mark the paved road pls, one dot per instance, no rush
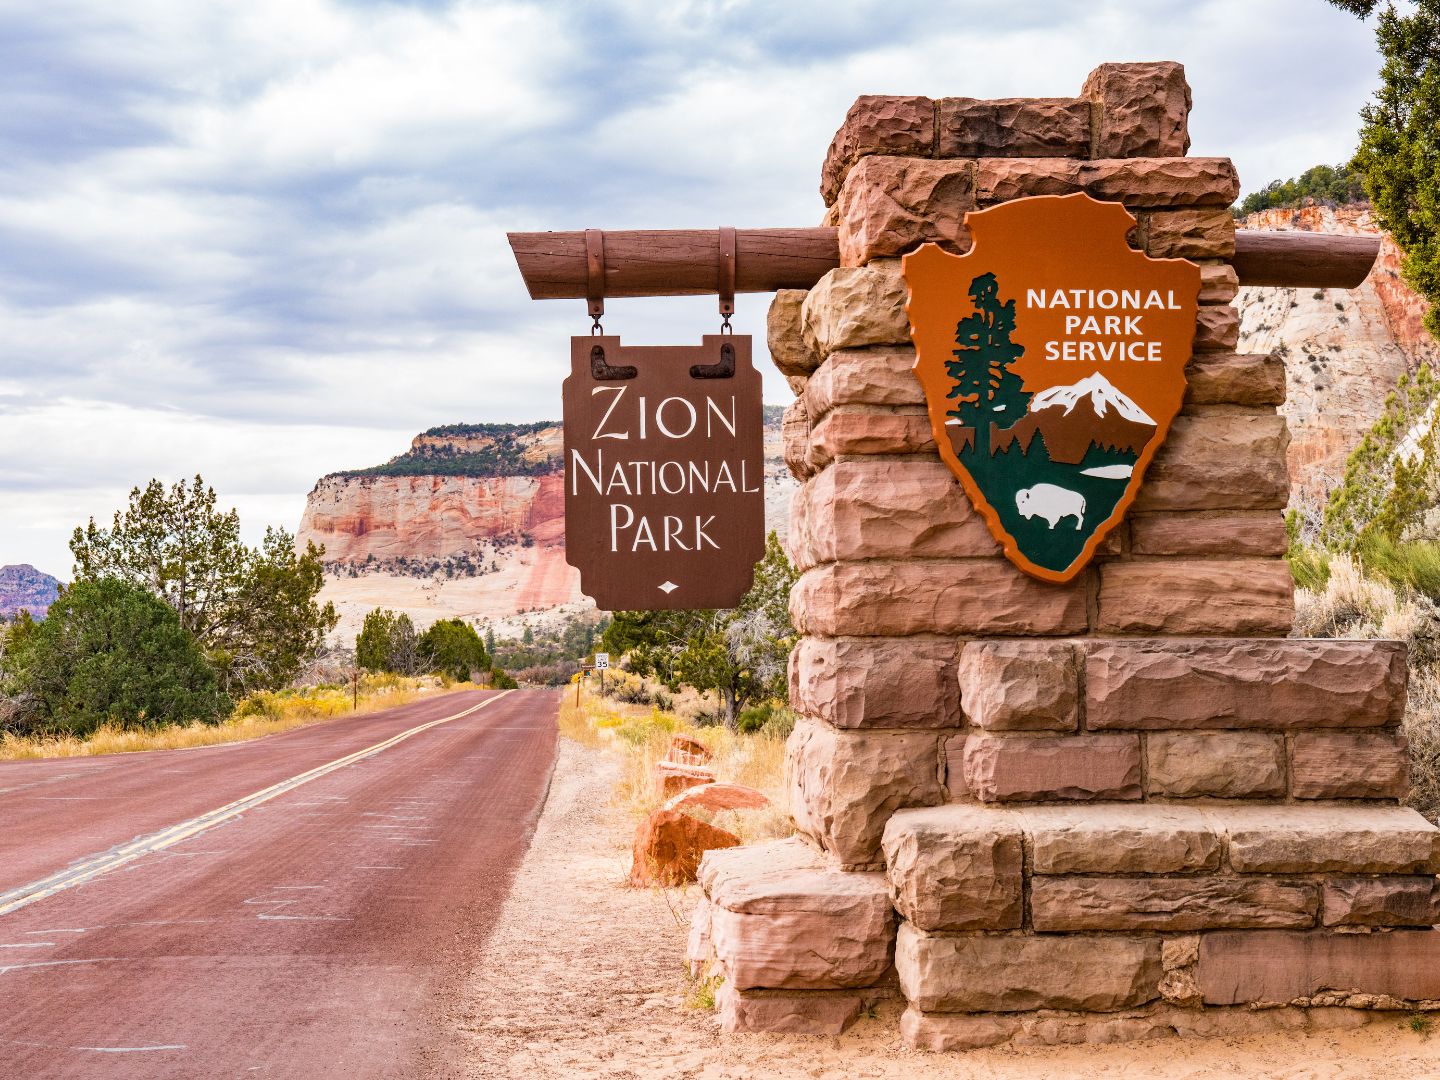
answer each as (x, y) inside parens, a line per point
(258, 909)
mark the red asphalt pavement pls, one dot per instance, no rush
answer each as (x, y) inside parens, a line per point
(317, 934)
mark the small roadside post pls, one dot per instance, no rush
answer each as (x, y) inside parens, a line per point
(583, 675)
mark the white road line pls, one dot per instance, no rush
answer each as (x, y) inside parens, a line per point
(130, 1049)
(54, 963)
(103, 863)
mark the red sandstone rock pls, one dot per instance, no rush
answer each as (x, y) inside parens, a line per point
(1218, 283)
(1219, 461)
(1184, 903)
(1143, 109)
(1013, 127)
(891, 205)
(1207, 233)
(1235, 379)
(1240, 597)
(1000, 180)
(1118, 839)
(1353, 839)
(1217, 328)
(718, 797)
(1238, 967)
(955, 868)
(877, 124)
(1018, 972)
(785, 334)
(845, 785)
(1011, 769)
(869, 430)
(895, 598)
(688, 751)
(1294, 684)
(880, 375)
(1258, 533)
(668, 846)
(795, 432)
(672, 777)
(885, 509)
(1332, 765)
(1139, 183)
(854, 306)
(1020, 685)
(876, 682)
(1382, 901)
(787, 1012)
(1221, 764)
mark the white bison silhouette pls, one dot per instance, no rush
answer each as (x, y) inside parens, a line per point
(1051, 502)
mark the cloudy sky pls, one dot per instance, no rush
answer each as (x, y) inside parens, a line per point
(264, 240)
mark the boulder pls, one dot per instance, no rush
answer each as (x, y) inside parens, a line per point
(668, 847)
(672, 777)
(718, 797)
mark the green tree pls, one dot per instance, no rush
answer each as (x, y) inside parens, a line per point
(1325, 183)
(109, 651)
(1399, 154)
(452, 647)
(741, 653)
(984, 384)
(388, 642)
(252, 609)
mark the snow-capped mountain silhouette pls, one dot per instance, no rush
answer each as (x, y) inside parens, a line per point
(1072, 419)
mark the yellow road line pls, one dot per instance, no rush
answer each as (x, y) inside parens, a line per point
(103, 863)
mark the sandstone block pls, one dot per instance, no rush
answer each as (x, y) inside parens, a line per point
(891, 205)
(1226, 461)
(787, 1012)
(1237, 533)
(1001, 769)
(854, 306)
(897, 598)
(795, 438)
(877, 124)
(1018, 972)
(672, 777)
(1295, 683)
(1238, 967)
(881, 375)
(946, 1032)
(785, 334)
(720, 796)
(886, 509)
(845, 785)
(781, 918)
(1143, 110)
(668, 846)
(1354, 839)
(1332, 765)
(1218, 283)
(1020, 685)
(1103, 839)
(876, 682)
(1382, 901)
(1235, 379)
(1013, 127)
(1217, 328)
(797, 384)
(955, 868)
(1202, 233)
(1173, 596)
(863, 429)
(1139, 183)
(1225, 765)
(1184, 903)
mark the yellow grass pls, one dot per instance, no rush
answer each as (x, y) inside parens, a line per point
(258, 715)
(641, 735)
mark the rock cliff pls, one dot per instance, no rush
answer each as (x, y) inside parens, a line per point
(1344, 351)
(23, 588)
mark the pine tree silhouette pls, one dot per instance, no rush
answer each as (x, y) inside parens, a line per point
(987, 392)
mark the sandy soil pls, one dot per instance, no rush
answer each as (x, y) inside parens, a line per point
(582, 978)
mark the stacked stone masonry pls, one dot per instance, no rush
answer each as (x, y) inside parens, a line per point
(1119, 808)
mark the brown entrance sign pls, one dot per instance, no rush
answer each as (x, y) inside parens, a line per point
(1053, 360)
(664, 472)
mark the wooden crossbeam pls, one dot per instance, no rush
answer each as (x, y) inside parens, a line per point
(686, 262)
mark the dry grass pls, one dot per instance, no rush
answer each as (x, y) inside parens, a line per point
(641, 735)
(259, 715)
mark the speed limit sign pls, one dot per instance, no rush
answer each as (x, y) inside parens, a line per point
(602, 661)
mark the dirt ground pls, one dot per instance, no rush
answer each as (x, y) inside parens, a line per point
(583, 979)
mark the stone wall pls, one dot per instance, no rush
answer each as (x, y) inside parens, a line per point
(1091, 803)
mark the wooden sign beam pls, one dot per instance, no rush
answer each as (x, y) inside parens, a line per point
(686, 262)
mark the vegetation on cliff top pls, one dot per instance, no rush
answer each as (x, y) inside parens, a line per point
(511, 453)
(1332, 184)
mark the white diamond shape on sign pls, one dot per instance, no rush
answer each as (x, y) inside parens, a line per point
(669, 587)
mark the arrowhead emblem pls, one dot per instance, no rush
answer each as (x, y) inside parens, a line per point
(1053, 360)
